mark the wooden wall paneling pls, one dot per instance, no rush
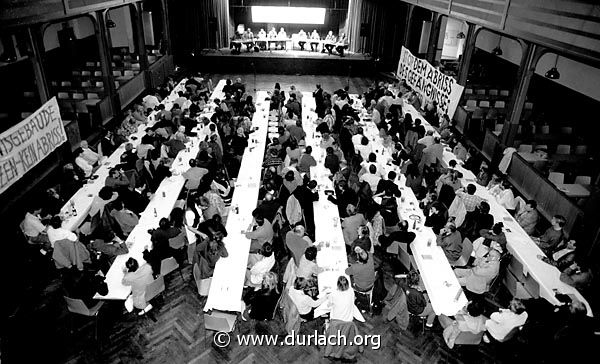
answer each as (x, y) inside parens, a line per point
(486, 12)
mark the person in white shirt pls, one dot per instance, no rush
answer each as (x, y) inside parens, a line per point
(364, 148)
(308, 263)
(256, 273)
(56, 232)
(304, 303)
(298, 94)
(32, 226)
(342, 301)
(372, 161)
(371, 178)
(506, 197)
(501, 323)
(150, 102)
(357, 138)
(428, 139)
(89, 155)
(83, 163)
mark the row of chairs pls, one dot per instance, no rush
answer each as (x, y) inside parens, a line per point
(78, 95)
(490, 92)
(559, 178)
(486, 104)
(85, 73)
(560, 149)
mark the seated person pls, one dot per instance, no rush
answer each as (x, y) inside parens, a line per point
(351, 224)
(262, 232)
(308, 264)
(208, 252)
(314, 40)
(342, 44)
(260, 304)
(302, 39)
(305, 303)
(528, 217)
(417, 301)
(330, 41)
(82, 163)
(478, 220)
(495, 237)
(56, 232)
(32, 226)
(470, 319)
(281, 35)
(297, 242)
(402, 235)
(257, 270)
(248, 38)
(363, 240)
(138, 277)
(553, 236)
(126, 219)
(88, 154)
(501, 323)
(506, 197)
(450, 241)
(363, 271)
(578, 275)
(478, 278)
(562, 258)
(436, 217)
(84, 286)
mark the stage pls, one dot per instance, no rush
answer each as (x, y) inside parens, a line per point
(292, 61)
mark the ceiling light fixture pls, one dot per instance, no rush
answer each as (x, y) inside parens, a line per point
(461, 35)
(109, 22)
(498, 51)
(553, 73)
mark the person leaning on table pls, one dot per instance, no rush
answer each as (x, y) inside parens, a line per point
(305, 304)
(478, 278)
(501, 323)
(138, 277)
(553, 236)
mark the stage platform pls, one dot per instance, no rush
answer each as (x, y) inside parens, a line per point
(289, 62)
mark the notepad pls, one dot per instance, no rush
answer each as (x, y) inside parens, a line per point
(426, 256)
(507, 218)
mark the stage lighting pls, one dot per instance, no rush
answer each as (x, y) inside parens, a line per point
(461, 35)
(287, 15)
(553, 73)
(498, 51)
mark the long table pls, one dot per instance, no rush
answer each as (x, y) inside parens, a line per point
(332, 256)
(84, 197)
(519, 243)
(160, 206)
(228, 278)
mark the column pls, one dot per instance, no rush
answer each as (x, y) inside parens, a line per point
(105, 60)
(531, 55)
(139, 38)
(465, 62)
(407, 24)
(434, 36)
(37, 47)
(166, 39)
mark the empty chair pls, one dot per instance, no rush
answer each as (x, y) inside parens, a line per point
(86, 73)
(493, 92)
(128, 73)
(500, 104)
(78, 96)
(97, 73)
(563, 149)
(127, 57)
(525, 148)
(28, 94)
(504, 93)
(92, 96)
(566, 130)
(65, 83)
(97, 64)
(545, 129)
(556, 178)
(471, 104)
(168, 265)
(583, 180)
(77, 306)
(484, 103)
(151, 59)
(86, 84)
(528, 106)
(480, 91)
(99, 84)
(580, 149)
(468, 91)
(76, 73)
(155, 288)
(89, 64)
(113, 64)
(219, 321)
(117, 73)
(63, 95)
(116, 57)
(25, 114)
(135, 66)
(477, 113)
(541, 147)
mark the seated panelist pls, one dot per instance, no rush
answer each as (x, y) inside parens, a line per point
(315, 39)
(330, 41)
(342, 44)
(281, 35)
(302, 39)
(248, 39)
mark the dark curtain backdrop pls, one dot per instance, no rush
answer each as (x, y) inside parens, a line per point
(190, 25)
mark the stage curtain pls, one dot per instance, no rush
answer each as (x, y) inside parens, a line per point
(353, 22)
(221, 12)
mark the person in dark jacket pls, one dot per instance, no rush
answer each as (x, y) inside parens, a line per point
(84, 286)
(437, 217)
(261, 304)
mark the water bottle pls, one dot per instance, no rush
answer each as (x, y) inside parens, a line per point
(155, 214)
(73, 209)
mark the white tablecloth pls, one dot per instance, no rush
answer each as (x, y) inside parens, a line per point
(228, 279)
(84, 197)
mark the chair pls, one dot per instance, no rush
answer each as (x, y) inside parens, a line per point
(29, 94)
(545, 129)
(468, 338)
(468, 91)
(25, 114)
(580, 149)
(117, 73)
(86, 73)
(500, 104)
(471, 104)
(77, 96)
(219, 322)
(90, 64)
(168, 265)
(76, 73)
(467, 249)
(151, 59)
(128, 73)
(567, 130)
(423, 320)
(116, 57)
(65, 83)
(86, 84)
(99, 84)
(92, 96)
(477, 114)
(77, 306)
(498, 128)
(63, 95)
(493, 92)
(203, 285)
(583, 180)
(504, 93)
(135, 66)
(563, 149)
(541, 147)
(525, 148)
(480, 92)
(155, 288)
(484, 103)
(528, 106)
(97, 73)
(556, 177)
